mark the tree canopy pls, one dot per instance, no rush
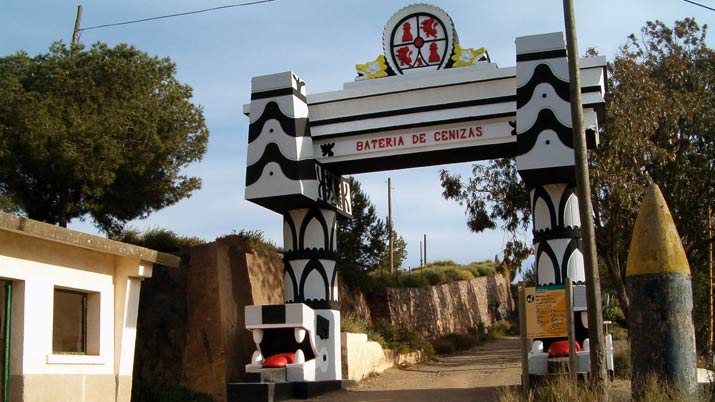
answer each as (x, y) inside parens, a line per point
(494, 196)
(660, 128)
(103, 131)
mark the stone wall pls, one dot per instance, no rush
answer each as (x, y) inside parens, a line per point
(353, 301)
(456, 307)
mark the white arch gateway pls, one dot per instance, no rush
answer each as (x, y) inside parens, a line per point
(426, 101)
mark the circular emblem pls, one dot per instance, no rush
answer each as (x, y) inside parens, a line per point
(419, 37)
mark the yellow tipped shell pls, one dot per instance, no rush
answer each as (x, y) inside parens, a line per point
(655, 246)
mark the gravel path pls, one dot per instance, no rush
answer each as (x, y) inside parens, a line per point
(473, 375)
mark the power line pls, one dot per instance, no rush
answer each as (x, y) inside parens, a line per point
(698, 4)
(176, 15)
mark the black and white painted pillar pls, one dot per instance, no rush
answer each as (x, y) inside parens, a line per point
(283, 176)
(311, 278)
(546, 162)
(310, 254)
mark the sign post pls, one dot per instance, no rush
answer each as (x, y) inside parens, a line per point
(572, 335)
(524, 341)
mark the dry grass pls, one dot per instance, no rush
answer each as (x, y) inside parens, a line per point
(559, 389)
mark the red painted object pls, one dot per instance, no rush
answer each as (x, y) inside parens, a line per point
(279, 360)
(561, 348)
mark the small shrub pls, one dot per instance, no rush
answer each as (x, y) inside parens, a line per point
(163, 240)
(472, 268)
(463, 342)
(618, 332)
(512, 394)
(443, 346)
(350, 322)
(622, 360)
(658, 390)
(255, 239)
(451, 343)
(435, 277)
(414, 281)
(486, 271)
(457, 274)
(504, 328)
(402, 340)
(442, 263)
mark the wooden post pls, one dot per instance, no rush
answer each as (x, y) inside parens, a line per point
(711, 321)
(420, 253)
(599, 376)
(524, 341)
(77, 21)
(572, 336)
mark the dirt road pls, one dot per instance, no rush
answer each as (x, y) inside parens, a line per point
(474, 375)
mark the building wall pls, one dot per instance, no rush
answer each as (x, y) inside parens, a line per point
(36, 267)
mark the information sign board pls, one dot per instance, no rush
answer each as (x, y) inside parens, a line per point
(546, 312)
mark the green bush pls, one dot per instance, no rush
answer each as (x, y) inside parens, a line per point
(451, 343)
(167, 393)
(163, 240)
(486, 271)
(433, 274)
(255, 239)
(503, 328)
(352, 323)
(461, 275)
(414, 281)
(435, 277)
(472, 268)
(444, 346)
(463, 342)
(442, 263)
(402, 340)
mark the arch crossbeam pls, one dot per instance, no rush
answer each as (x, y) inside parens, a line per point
(433, 118)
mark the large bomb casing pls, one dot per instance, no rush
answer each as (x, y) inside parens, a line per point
(661, 324)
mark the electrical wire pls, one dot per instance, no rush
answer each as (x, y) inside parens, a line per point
(698, 4)
(176, 15)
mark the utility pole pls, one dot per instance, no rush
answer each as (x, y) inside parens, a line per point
(77, 21)
(599, 378)
(389, 224)
(711, 321)
(425, 253)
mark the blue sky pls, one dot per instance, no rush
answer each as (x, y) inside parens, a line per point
(218, 52)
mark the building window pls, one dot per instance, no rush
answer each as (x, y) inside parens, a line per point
(75, 322)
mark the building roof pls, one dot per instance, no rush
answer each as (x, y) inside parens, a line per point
(45, 231)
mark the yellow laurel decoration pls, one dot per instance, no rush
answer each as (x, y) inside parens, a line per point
(467, 56)
(372, 69)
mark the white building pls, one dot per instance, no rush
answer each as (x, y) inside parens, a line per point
(68, 303)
